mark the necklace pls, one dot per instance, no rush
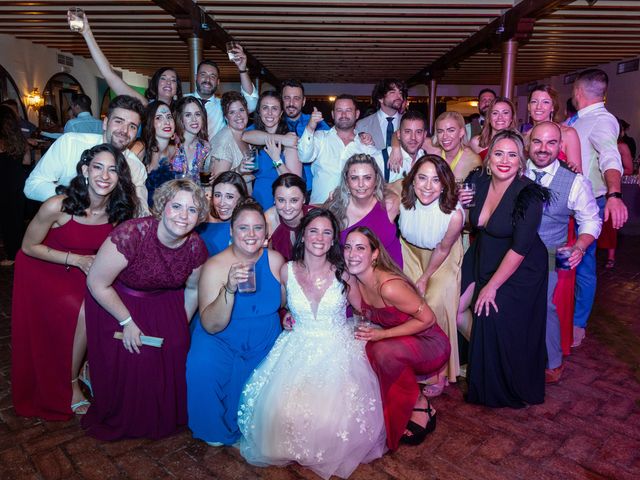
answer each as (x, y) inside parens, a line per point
(320, 282)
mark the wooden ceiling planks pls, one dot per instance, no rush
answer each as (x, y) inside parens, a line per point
(341, 40)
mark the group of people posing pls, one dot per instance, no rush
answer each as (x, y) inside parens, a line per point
(304, 304)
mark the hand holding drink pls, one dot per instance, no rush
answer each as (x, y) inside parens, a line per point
(75, 17)
(467, 194)
(248, 164)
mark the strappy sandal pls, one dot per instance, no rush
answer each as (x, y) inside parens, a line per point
(75, 407)
(84, 377)
(418, 432)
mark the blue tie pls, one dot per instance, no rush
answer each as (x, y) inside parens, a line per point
(389, 130)
(572, 120)
(539, 174)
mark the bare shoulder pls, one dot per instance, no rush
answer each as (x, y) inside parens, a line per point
(276, 262)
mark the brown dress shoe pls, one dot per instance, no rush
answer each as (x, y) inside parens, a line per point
(552, 375)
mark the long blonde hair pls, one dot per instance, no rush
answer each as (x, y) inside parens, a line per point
(341, 197)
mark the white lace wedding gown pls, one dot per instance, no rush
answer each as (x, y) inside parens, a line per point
(314, 399)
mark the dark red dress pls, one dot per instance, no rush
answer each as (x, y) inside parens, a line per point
(398, 360)
(44, 315)
(281, 237)
(142, 395)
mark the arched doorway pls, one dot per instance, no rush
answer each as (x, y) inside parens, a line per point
(58, 91)
(9, 91)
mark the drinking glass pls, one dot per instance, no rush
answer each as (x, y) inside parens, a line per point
(76, 19)
(563, 252)
(249, 286)
(230, 47)
(249, 160)
(469, 187)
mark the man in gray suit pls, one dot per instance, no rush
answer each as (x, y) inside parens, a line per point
(388, 97)
(485, 97)
(571, 195)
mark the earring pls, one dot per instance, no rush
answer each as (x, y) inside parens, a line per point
(175, 97)
(488, 170)
(374, 263)
(86, 180)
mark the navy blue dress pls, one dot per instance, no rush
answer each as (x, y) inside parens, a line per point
(218, 365)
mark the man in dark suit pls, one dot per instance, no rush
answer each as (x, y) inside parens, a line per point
(388, 96)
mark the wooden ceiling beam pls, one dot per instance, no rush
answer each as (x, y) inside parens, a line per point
(191, 20)
(503, 28)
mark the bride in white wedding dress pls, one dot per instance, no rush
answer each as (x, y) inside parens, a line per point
(314, 399)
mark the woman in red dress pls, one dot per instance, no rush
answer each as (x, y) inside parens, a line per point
(409, 343)
(49, 284)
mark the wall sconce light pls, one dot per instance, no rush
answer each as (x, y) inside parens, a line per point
(332, 98)
(473, 103)
(34, 99)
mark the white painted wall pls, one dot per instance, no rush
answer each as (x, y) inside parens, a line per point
(623, 98)
(32, 65)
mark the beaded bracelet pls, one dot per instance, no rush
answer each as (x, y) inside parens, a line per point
(67, 267)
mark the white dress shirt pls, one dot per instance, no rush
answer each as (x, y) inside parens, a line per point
(213, 107)
(58, 167)
(407, 163)
(581, 199)
(328, 155)
(598, 131)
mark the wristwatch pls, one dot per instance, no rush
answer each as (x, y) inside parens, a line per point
(613, 195)
(277, 164)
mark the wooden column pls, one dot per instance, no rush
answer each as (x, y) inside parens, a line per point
(509, 54)
(433, 85)
(195, 57)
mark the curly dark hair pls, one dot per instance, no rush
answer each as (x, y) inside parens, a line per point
(152, 90)
(282, 128)
(384, 86)
(123, 202)
(11, 139)
(334, 255)
(149, 130)
(228, 98)
(448, 198)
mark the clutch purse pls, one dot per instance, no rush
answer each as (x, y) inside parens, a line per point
(149, 341)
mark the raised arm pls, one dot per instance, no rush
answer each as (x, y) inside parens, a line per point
(114, 81)
(248, 91)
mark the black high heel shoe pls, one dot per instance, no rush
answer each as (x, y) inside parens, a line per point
(418, 432)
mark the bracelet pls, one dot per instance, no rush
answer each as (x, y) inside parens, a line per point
(277, 164)
(243, 71)
(613, 195)
(67, 267)
(125, 321)
(582, 250)
(230, 292)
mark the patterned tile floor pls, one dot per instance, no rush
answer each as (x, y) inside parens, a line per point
(588, 427)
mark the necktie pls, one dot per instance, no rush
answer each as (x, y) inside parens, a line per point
(389, 130)
(204, 101)
(539, 174)
(572, 120)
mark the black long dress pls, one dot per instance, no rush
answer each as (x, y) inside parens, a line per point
(507, 348)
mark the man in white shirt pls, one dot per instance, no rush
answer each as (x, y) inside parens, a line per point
(329, 150)
(207, 80)
(411, 135)
(571, 195)
(389, 96)
(58, 165)
(601, 164)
